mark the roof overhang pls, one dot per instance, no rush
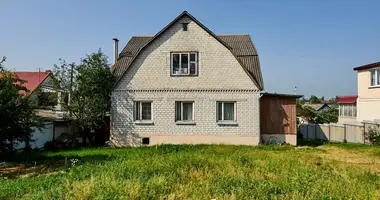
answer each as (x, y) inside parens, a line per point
(296, 96)
(347, 99)
(368, 66)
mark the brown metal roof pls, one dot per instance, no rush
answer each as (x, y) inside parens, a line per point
(368, 66)
(282, 95)
(241, 47)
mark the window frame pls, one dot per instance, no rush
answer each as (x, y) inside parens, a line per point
(181, 112)
(139, 119)
(376, 80)
(217, 111)
(180, 63)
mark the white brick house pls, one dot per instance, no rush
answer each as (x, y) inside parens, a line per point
(186, 85)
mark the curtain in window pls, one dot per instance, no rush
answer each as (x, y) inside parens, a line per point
(228, 111)
(373, 77)
(184, 63)
(175, 63)
(187, 111)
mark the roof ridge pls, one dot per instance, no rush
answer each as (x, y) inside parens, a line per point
(143, 36)
(238, 34)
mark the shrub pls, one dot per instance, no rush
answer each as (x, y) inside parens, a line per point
(373, 135)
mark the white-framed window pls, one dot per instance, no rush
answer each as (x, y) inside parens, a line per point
(184, 111)
(184, 63)
(347, 110)
(142, 110)
(226, 111)
(375, 77)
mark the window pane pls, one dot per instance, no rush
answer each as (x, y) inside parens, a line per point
(192, 57)
(187, 111)
(220, 113)
(346, 110)
(349, 110)
(193, 69)
(175, 63)
(146, 111)
(136, 108)
(354, 110)
(184, 63)
(228, 111)
(177, 111)
(378, 77)
(373, 77)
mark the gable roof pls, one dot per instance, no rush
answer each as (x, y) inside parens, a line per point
(241, 46)
(368, 66)
(32, 79)
(318, 106)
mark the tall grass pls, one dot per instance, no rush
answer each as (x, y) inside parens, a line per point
(196, 172)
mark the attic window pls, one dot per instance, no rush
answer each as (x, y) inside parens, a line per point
(184, 26)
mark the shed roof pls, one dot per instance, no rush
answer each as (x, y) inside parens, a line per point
(241, 47)
(347, 99)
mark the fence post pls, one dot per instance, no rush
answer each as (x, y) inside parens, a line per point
(363, 132)
(329, 133)
(307, 131)
(345, 134)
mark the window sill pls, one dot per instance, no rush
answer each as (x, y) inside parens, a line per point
(227, 123)
(144, 122)
(376, 86)
(181, 75)
(185, 123)
(350, 117)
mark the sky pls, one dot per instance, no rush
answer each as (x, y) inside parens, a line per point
(309, 44)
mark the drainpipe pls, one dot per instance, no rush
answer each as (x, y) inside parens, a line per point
(259, 116)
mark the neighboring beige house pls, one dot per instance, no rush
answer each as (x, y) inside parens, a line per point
(186, 85)
(368, 102)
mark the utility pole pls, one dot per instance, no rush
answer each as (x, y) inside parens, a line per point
(71, 86)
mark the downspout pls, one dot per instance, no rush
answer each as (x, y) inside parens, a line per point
(260, 95)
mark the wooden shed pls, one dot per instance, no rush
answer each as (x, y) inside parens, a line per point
(278, 118)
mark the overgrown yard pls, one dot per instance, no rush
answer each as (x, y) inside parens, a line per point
(335, 171)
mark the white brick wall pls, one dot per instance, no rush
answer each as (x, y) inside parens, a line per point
(220, 78)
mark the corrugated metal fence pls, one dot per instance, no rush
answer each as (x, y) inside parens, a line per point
(353, 133)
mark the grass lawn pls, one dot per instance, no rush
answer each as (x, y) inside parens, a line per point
(330, 171)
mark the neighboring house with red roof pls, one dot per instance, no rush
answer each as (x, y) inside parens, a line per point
(347, 109)
(41, 90)
(48, 101)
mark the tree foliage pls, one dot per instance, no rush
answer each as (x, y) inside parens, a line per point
(89, 85)
(17, 116)
(329, 115)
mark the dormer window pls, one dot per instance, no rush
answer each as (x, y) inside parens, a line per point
(184, 64)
